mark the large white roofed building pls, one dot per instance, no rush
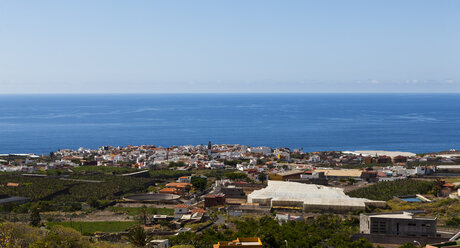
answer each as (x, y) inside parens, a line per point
(308, 197)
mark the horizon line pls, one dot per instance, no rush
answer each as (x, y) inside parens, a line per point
(218, 93)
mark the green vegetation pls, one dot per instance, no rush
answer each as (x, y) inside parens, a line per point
(453, 222)
(137, 211)
(385, 191)
(103, 169)
(236, 175)
(89, 228)
(452, 180)
(446, 210)
(35, 218)
(324, 231)
(14, 235)
(69, 194)
(198, 226)
(408, 245)
(199, 183)
(138, 236)
(35, 188)
(168, 174)
(262, 177)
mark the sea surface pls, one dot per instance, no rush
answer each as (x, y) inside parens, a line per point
(314, 122)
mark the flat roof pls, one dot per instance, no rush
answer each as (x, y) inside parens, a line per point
(399, 215)
(341, 173)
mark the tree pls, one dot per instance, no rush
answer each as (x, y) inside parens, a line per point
(262, 177)
(408, 245)
(138, 237)
(35, 218)
(351, 180)
(199, 183)
(62, 237)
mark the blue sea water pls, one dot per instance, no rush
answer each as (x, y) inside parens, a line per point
(405, 122)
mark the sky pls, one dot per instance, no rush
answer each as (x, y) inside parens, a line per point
(236, 46)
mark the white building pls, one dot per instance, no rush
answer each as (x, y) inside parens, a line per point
(261, 149)
(160, 243)
(308, 197)
(180, 210)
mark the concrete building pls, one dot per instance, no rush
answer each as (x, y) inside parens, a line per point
(214, 200)
(240, 242)
(397, 224)
(160, 243)
(233, 192)
(184, 179)
(180, 209)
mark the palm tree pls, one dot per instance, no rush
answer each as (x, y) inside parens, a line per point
(138, 237)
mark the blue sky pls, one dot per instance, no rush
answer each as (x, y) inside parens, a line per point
(229, 46)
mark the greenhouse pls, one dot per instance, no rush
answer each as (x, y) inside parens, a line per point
(308, 197)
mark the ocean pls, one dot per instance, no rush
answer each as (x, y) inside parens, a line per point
(313, 122)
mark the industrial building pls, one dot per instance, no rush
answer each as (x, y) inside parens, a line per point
(307, 197)
(398, 224)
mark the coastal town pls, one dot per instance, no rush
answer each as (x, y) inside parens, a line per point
(205, 195)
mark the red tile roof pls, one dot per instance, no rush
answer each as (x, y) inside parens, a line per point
(181, 206)
(198, 210)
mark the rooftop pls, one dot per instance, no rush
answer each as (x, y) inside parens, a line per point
(181, 206)
(341, 173)
(399, 215)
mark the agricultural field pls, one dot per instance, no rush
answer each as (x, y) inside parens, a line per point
(68, 193)
(35, 188)
(89, 228)
(135, 211)
(384, 191)
(49, 188)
